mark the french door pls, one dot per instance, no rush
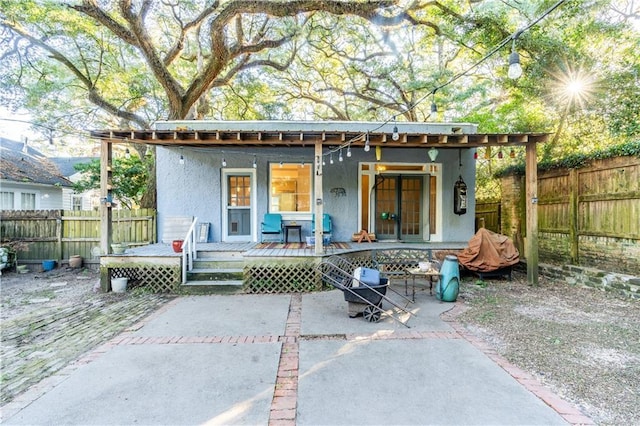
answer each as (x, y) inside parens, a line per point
(399, 207)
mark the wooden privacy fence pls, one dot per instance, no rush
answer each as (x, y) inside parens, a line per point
(59, 234)
(488, 216)
(588, 216)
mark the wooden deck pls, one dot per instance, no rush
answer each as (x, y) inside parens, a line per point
(276, 268)
(251, 249)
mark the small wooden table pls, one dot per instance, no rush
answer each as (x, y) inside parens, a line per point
(288, 228)
(417, 272)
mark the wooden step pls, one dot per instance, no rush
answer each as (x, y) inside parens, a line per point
(212, 287)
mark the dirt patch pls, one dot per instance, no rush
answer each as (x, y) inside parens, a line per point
(25, 293)
(582, 343)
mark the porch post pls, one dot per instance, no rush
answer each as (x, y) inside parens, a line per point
(318, 197)
(106, 154)
(531, 176)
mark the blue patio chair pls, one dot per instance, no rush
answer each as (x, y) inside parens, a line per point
(272, 224)
(326, 224)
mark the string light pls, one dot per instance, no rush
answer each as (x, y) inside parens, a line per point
(512, 153)
(515, 70)
(224, 162)
(340, 156)
(349, 151)
(181, 157)
(127, 153)
(255, 163)
(366, 144)
(500, 155)
(331, 158)
(434, 107)
(395, 136)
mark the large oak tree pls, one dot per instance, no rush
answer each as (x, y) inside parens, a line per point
(126, 63)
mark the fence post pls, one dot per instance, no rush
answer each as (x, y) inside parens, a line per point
(531, 173)
(573, 216)
(59, 236)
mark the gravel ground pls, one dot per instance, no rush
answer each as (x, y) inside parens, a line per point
(582, 343)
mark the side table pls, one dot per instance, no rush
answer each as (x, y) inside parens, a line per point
(288, 228)
(416, 272)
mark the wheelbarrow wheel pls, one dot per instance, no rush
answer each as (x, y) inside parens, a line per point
(372, 313)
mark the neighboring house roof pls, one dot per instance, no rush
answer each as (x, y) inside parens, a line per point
(18, 164)
(66, 165)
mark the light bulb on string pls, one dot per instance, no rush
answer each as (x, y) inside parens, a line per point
(331, 158)
(255, 162)
(395, 135)
(512, 153)
(127, 153)
(340, 156)
(224, 162)
(349, 151)
(281, 164)
(434, 107)
(500, 155)
(366, 143)
(181, 161)
(515, 70)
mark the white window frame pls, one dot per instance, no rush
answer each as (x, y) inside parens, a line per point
(287, 214)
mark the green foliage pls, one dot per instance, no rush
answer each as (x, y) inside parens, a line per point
(577, 160)
(129, 178)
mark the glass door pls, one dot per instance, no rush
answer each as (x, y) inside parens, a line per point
(399, 207)
(238, 206)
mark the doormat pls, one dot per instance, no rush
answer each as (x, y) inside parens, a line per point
(299, 246)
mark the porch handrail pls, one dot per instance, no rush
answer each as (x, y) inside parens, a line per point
(189, 250)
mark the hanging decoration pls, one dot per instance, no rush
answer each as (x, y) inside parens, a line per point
(460, 197)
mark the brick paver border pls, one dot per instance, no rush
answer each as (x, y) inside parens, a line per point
(566, 410)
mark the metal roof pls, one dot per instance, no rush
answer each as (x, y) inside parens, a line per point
(307, 133)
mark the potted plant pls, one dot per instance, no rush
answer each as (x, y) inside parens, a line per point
(119, 248)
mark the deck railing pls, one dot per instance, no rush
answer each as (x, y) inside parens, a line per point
(189, 250)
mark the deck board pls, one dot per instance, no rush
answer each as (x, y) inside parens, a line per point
(248, 249)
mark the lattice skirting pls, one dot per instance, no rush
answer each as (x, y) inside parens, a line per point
(270, 278)
(157, 278)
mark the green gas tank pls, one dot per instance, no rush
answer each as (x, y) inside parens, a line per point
(448, 287)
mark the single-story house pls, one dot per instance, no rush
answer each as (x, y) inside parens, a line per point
(28, 179)
(71, 200)
(402, 181)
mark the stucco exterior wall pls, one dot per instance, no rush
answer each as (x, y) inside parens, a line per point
(195, 188)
